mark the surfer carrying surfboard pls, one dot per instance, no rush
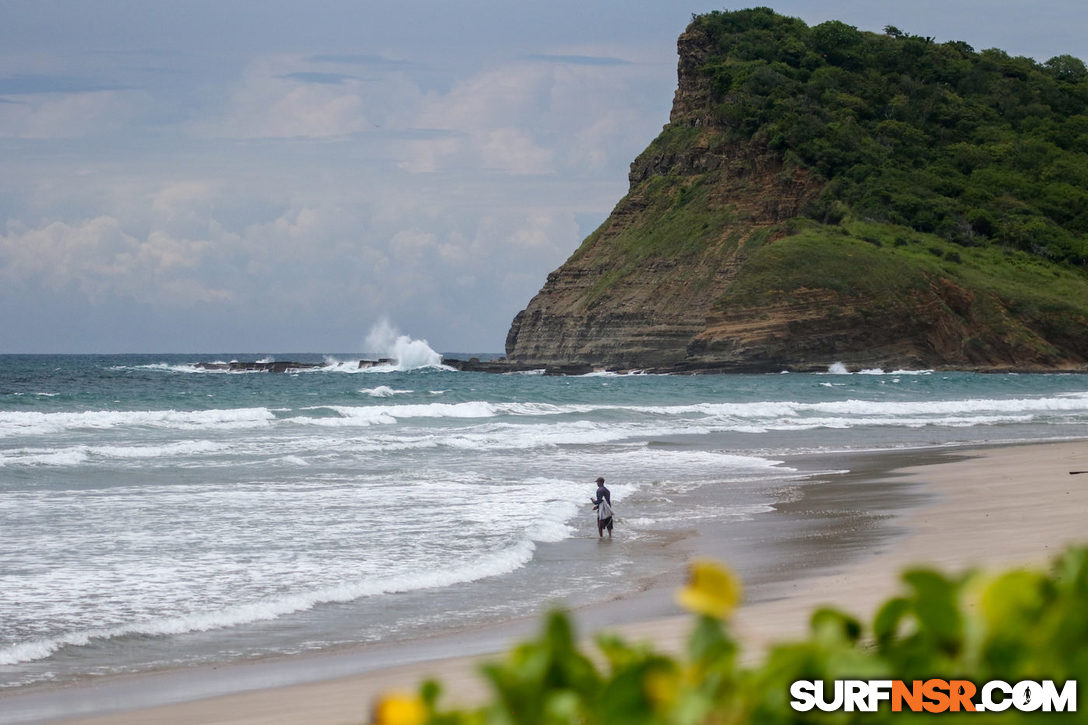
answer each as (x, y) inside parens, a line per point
(602, 504)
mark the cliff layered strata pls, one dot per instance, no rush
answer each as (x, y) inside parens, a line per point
(603, 309)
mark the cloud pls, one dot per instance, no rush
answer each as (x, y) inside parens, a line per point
(330, 79)
(289, 96)
(426, 156)
(591, 148)
(597, 60)
(177, 195)
(185, 209)
(571, 113)
(72, 115)
(371, 61)
(513, 151)
(547, 232)
(494, 98)
(101, 260)
(273, 99)
(492, 118)
(295, 110)
(430, 255)
(21, 85)
(442, 205)
(411, 245)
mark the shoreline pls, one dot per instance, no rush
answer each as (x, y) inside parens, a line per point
(962, 506)
(994, 508)
(501, 366)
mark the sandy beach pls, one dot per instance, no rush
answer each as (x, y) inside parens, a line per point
(982, 508)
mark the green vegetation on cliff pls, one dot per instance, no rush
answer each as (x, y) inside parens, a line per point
(978, 147)
(1017, 306)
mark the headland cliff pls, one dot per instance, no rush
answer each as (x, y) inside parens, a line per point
(823, 194)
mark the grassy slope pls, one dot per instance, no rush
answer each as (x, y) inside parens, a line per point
(695, 222)
(1013, 295)
(679, 225)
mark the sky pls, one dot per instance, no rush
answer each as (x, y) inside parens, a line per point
(278, 175)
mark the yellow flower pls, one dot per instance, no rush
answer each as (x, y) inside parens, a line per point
(711, 589)
(661, 686)
(399, 709)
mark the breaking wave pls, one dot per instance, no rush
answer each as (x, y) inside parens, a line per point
(498, 563)
(408, 354)
(716, 416)
(75, 455)
(384, 391)
(13, 423)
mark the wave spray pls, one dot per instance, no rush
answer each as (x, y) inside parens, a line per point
(386, 341)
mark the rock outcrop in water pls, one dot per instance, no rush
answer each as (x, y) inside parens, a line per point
(282, 366)
(764, 228)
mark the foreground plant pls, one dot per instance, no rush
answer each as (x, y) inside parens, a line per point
(1017, 626)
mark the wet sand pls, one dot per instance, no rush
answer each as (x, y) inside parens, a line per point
(843, 541)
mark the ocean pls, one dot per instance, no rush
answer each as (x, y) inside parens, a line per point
(155, 514)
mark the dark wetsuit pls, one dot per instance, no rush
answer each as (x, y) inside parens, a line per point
(602, 524)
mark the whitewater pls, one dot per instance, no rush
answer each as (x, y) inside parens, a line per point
(157, 514)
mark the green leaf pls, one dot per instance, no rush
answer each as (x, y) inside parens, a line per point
(888, 617)
(936, 607)
(832, 625)
(1014, 600)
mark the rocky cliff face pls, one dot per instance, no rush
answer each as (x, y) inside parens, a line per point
(665, 282)
(659, 306)
(646, 313)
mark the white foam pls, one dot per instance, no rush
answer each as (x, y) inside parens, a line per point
(78, 455)
(545, 530)
(693, 418)
(893, 409)
(335, 365)
(383, 391)
(409, 354)
(840, 369)
(180, 448)
(14, 423)
(67, 457)
(351, 367)
(468, 409)
(847, 413)
(354, 417)
(166, 367)
(488, 565)
(589, 424)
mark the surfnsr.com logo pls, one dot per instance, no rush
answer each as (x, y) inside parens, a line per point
(934, 695)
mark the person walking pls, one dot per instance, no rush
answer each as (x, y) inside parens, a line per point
(602, 504)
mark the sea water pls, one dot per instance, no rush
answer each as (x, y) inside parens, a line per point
(154, 514)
